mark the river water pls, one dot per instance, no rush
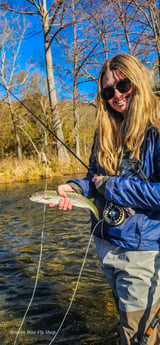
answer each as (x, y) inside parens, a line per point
(92, 319)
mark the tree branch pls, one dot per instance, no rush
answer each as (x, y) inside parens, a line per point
(5, 7)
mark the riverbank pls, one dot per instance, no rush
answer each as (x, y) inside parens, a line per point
(13, 170)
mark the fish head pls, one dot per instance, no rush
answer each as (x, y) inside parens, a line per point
(37, 197)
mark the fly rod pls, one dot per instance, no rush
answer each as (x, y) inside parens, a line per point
(45, 126)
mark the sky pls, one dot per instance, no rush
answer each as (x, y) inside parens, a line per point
(32, 54)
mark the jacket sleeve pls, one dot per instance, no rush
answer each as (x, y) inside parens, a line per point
(136, 193)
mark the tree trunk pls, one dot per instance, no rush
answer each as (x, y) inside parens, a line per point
(15, 126)
(75, 91)
(61, 150)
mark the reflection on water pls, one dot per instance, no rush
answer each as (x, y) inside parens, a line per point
(92, 319)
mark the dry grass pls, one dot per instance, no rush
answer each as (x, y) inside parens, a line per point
(13, 170)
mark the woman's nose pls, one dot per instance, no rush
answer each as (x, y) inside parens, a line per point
(117, 93)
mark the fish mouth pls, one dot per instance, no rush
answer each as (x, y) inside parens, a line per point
(37, 196)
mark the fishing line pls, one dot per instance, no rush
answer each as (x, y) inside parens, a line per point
(77, 283)
(44, 125)
(38, 267)
(37, 277)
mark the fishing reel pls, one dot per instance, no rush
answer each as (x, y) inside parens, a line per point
(114, 215)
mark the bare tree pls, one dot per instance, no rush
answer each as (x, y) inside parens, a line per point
(121, 9)
(138, 27)
(11, 40)
(49, 18)
(35, 92)
(75, 90)
(149, 24)
(78, 52)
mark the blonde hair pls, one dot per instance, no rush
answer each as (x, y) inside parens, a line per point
(113, 132)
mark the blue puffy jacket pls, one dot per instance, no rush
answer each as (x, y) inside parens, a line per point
(141, 230)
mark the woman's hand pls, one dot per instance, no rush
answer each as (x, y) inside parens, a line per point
(64, 203)
(97, 179)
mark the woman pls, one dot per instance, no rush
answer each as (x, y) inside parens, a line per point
(124, 179)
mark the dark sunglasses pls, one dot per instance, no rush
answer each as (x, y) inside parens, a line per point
(122, 86)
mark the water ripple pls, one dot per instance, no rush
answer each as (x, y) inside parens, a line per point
(93, 317)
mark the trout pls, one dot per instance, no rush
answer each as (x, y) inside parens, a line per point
(76, 199)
